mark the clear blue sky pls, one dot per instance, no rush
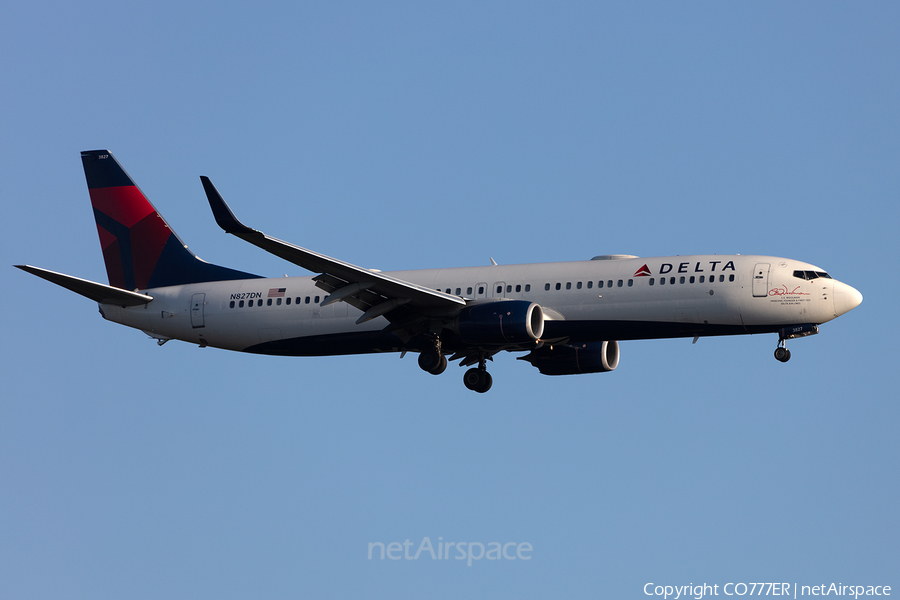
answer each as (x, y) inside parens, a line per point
(404, 135)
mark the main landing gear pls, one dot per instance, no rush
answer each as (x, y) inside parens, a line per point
(478, 379)
(433, 361)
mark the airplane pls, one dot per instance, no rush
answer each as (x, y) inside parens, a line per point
(569, 317)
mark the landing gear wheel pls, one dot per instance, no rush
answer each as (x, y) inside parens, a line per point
(478, 380)
(486, 382)
(782, 354)
(433, 362)
(471, 379)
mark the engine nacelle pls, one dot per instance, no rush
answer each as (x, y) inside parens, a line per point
(574, 359)
(500, 322)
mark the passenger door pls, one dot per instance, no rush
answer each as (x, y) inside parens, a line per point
(197, 302)
(761, 280)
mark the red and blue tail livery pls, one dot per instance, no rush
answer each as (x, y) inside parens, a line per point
(566, 318)
(141, 251)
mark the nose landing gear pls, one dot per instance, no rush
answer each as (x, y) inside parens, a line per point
(781, 353)
(789, 333)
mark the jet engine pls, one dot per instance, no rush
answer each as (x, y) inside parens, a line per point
(574, 359)
(500, 322)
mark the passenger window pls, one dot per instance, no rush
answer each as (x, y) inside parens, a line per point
(287, 301)
(731, 277)
(578, 285)
(692, 279)
(546, 287)
(508, 289)
(499, 289)
(306, 300)
(447, 291)
(630, 282)
(558, 286)
(317, 300)
(681, 279)
(278, 302)
(609, 283)
(481, 290)
(568, 285)
(241, 304)
(458, 291)
(590, 284)
(599, 284)
(652, 281)
(519, 288)
(620, 283)
(702, 278)
(269, 302)
(468, 291)
(527, 287)
(259, 302)
(721, 278)
(232, 304)
(672, 280)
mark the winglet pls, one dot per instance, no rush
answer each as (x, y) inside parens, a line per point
(343, 274)
(224, 217)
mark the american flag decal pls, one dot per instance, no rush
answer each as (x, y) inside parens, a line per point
(276, 293)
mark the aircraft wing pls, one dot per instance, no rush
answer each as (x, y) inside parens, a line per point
(98, 292)
(372, 292)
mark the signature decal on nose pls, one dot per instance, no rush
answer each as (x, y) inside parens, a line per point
(783, 291)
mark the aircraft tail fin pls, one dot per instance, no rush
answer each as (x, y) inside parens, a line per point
(140, 249)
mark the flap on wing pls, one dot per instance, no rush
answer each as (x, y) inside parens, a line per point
(98, 292)
(336, 275)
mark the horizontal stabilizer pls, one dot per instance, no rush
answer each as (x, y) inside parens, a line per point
(98, 292)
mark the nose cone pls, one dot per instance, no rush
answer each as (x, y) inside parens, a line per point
(846, 298)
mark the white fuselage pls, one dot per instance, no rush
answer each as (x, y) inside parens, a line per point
(593, 300)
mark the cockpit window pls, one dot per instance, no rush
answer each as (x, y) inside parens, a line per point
(811, 274)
